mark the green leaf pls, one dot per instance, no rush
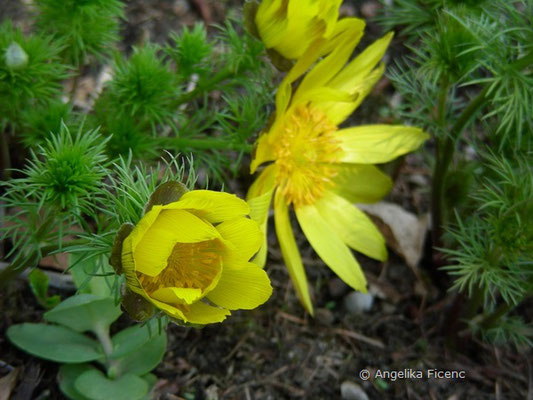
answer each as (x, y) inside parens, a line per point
(86, 273)
(130, 339)
(39, 287)
(68, 373)
(55, 343)
(144, 358)
(84, 312)
(95, 385)
(150, 379)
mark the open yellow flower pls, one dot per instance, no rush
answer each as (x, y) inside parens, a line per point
(195, 249)
(290, 26)
(320, 169)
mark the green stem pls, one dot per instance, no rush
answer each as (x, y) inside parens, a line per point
(112, 366)
(31, 259)
(102, 334)
(474, 302)
(445, 152)
(207, 144)
(203, 87)
(6, 157)
(492, 319)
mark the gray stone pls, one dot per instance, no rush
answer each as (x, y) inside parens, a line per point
(358, 303)
(352, 391)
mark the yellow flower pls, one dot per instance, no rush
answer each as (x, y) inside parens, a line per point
(195, 249)
(290, 26)
(321, 169)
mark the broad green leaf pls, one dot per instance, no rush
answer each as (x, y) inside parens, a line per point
(130, 339)
(145, 358)
(68, 373)
(84, 312)
(55, 343)
(39, 286)
(151, 380)
(96, 386)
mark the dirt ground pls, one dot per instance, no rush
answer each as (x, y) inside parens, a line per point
(278, 351)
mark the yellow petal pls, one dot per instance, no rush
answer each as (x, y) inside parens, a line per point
(360, 183)
(352, 225)
(128, 264)
(289, 251)
(326, 69)
(360, 67)
(374, 144)
(303, 27)
(244, 234)
(330, 247)
(357, 78)
(243, 286)
(171, 227)
(349, 30)
(263, 151)
(210, 205)
(143, 225)
(259, 198)
(339, 111)
(171, 310)
(172, 295)
(271, 22)
(201, 313)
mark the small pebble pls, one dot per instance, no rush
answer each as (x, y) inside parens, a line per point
(358, 303)
(352, 391)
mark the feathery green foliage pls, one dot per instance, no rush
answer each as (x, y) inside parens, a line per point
(469, 82)
(143, 86)
(39, 122)
(190, 51)
(36, 77)
(67, 171)
(88, 28)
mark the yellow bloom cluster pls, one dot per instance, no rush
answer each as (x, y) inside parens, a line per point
(313, 165)
(189, 258)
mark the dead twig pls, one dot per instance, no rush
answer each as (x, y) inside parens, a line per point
(360, 337)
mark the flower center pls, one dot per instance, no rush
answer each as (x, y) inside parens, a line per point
(306, 150)
(190, 265)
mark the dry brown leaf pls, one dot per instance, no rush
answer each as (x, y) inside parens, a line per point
(404, 232)
(7, 384)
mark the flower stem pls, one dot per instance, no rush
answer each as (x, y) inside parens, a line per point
(204, 87)
(446, 148)
(491, 320)
(444, 155)
(102, 334)
(206, 144)
(112, 366)
(6, 157)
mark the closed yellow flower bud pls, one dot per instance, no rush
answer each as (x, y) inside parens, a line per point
(189, 258)
(290, 26)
